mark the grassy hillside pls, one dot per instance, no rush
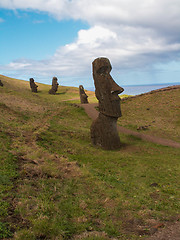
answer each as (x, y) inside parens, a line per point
(56, 185)
(22, 88)
(159, 111)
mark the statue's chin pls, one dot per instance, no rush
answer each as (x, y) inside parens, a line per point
(113, 113)
(112, 109)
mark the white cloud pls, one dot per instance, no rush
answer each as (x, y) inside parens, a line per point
(132, 12)
(1, 20)
(126, 49)
(148, 13)
(95, 34)
(21, 64)
(132, 33)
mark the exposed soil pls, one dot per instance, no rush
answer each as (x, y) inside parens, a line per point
(93, 114)
(169, 232)
(92, 234)
(17, 102)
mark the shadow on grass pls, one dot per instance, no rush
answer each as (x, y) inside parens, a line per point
(60, 93)
(134, 138)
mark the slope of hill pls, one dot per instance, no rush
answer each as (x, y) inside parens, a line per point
(55, 185)
(156, 113)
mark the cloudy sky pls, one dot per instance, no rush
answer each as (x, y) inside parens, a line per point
(46, 38)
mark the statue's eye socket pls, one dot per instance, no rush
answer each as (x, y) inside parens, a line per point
(102, 70)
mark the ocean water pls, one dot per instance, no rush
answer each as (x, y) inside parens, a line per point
(139, 89)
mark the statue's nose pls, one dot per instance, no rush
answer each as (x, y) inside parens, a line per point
(115, 88)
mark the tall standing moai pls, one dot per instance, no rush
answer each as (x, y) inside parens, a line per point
(104, 129)
(55, 84)
(1, 84)
(83, 95)
(33, 86)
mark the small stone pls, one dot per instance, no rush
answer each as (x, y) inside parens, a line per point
(154, 185)
(142, 128)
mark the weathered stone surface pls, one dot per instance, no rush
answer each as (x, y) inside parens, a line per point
(104, 132)
(55, 84)
(104, 129)
(82, 94)
(33, 85)
(1, 84)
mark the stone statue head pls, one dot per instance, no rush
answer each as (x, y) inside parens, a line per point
(54, 87)
(31, 80)
(107, 89)
(81, 89)
(33, 85)
(83, 95)
(1, 84)
(54, 80)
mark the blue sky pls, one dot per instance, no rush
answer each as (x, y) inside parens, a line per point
(34, 35)
(46, 38)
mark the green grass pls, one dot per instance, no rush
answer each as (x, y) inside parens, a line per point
(64, 187)
(118, 167)
(8, 172)
(120, 176)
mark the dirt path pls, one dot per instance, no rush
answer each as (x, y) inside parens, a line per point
(93, 113)
(169, 232)
(72, 99)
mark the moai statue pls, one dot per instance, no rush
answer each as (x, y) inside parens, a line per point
(82, 94)
(33, 85)
(104, 129)
(54, 88)
(1, 84)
